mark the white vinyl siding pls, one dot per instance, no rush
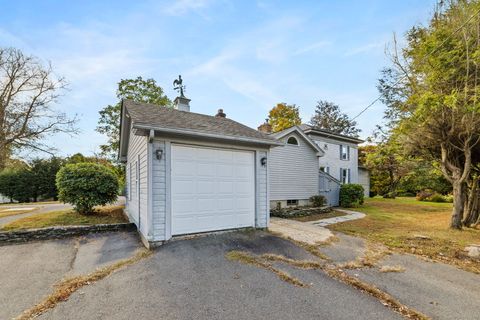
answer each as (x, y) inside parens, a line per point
(331, 159)
(293, 170)
(159, 191)
(137, 186)
(364, 180)
(261, 185)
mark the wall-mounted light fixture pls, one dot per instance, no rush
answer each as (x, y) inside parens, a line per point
(159, 154)
(263, 161)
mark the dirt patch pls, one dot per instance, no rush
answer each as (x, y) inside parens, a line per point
(392, 269)
(373, 253)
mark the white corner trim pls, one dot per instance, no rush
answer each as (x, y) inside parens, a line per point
(168, 184)
(150, 232)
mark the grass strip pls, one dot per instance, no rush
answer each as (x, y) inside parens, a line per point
(247, 258)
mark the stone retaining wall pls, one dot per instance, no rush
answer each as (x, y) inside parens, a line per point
(60, 232)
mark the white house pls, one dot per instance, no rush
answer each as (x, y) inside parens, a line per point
(188, 172)
(294, 169)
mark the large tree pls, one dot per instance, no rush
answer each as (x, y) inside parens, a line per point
(431, 91)
(139, 90)
(28, 91)
(284, 116)
(328, 116)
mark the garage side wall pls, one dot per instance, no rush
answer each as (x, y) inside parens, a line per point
(263, 210)
(159, 190)
(137, 182)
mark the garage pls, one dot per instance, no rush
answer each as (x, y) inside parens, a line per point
(190, 173)
(212, 189)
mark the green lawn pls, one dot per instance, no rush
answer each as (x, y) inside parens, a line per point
(102, 215)
(397, 223)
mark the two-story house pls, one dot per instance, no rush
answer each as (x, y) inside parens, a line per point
(313, 161)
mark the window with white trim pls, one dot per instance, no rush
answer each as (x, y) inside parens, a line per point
(292, 202)
(344, 175)
(137, 177)
(344, 152)
(292, 141)
(129, 187)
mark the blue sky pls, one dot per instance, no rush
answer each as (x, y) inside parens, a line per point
(242, 56)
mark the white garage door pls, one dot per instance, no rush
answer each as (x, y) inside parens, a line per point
(212, 189)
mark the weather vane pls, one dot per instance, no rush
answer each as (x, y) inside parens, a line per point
(178, 85)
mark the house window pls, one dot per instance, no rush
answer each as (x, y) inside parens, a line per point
(137, 177)
(129, 187)
(344, 152)
(292, 140)
(292, 202)
(345, 175)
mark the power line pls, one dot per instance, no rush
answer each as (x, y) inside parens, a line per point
(422, 61)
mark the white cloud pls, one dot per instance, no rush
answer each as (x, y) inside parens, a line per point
(312, 47)
(371, 47)
(181, 7)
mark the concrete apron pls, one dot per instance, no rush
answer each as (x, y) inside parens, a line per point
(299, 231)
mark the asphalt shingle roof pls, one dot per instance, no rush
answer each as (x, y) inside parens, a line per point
(151, 115)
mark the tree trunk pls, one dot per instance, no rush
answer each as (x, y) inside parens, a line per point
(472, 210)
(3, 157)
(458, 205)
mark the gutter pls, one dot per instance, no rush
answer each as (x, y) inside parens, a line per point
(208, 135)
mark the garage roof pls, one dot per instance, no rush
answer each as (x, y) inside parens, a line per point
(169, 120)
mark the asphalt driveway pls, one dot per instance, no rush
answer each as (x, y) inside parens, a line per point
(184, 279)
(192, 279)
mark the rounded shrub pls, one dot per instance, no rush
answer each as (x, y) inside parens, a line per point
(318, 201)
(85, 185)
(351, 195)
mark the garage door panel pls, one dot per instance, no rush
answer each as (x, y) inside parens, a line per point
(205, 169)
(205, 187)
(184, 187)
(184, 168)
(212, 189)
(183, 206)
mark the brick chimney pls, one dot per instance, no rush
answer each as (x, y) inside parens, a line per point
(220, 114)
(265, 127)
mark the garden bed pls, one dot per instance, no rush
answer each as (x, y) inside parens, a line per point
(320, 216)
(297, 212)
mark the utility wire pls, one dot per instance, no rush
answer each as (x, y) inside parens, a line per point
(422, 61)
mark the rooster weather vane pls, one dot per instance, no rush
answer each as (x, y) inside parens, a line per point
(178, 85)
